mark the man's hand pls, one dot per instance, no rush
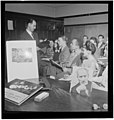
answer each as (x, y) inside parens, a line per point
(81, 87)
(37, 48)
(40, 40)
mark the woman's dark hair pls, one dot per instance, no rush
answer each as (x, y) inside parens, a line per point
(90, 46)
(95, 40)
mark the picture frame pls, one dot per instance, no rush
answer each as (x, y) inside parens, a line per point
(22, 60)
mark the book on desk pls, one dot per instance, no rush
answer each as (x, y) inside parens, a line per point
(18, 91)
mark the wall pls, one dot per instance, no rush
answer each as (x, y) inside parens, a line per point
(78, 9)
(49, 28)
(78, 26)
(35, 9)
(86, 19)
(89, 30)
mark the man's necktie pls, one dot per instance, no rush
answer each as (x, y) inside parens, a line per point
(33, 36)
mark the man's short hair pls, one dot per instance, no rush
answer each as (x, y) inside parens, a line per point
(77, 41)
(101, 36)
(64, 38)
(29, 21)
(85, 36)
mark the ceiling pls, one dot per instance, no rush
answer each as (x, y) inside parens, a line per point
(55, 5)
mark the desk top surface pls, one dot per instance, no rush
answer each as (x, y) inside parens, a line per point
(61, 100)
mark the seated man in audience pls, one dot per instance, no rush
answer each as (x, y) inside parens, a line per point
(101, 44)
(62, 41)
(85, 38)
(73, 59)
(63, 56)
(84, 86)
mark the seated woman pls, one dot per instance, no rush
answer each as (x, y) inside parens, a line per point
(90, 62)
(84, 86)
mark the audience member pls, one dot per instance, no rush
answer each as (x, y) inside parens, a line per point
(85, 38)
(62, 41)
(84, 86)
(73, 59)
(101, 45)
(90, 62)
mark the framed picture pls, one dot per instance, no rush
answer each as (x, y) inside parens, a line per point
(21, 60)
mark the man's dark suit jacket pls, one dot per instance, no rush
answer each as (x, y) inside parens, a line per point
(63, 56)
(26, 36)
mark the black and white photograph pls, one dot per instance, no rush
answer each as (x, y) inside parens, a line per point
(62, 49)
(21, 55)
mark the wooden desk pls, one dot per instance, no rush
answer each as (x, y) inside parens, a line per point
(60, 100)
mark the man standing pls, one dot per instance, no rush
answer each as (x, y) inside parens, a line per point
(29, 33)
